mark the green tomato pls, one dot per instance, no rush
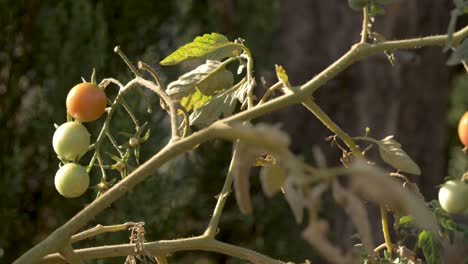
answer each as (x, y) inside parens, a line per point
(453, 197)
(71, 180)
(71, 141)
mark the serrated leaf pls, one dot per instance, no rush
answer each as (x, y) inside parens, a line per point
(208, 78)
(216, 80)
(195, 100)
(221, 104)
(431, 247)
(461, 53)
(212, 46)
(391, 152)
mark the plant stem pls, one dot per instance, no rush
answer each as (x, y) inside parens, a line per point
(129, 111)
(386, 230)
(105, 127)
(167, 247)
(214, 222)
(270, 90)
(160, 90)
(328, 122)
(365, 22)
(70, 255)
(99, 229)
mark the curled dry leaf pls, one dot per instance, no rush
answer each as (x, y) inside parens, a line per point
(409, 184)
(244, 157)
(253, 142)
(354, 207)
(208, 78)
(314, 198)
(295, 198)
(377, 186)
(315, 234)
(272, 177)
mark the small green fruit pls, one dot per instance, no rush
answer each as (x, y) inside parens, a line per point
(71, 180)
(71, 141)
(453, 197)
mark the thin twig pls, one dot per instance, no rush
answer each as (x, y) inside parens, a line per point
(270, 90)
(222, 197)
(159, 89)
(365, 22)
(99, 229)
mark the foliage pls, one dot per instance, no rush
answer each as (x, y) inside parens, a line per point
(206, 97)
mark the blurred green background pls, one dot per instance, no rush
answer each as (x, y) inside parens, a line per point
(47, 46)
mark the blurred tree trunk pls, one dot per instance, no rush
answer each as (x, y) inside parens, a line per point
(408, 100)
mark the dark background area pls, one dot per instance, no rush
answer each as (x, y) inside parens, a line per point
(46, 46)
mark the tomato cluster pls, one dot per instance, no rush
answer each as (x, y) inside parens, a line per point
(453, 195)
(85, 102)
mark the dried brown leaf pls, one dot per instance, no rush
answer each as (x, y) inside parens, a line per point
(356, 210)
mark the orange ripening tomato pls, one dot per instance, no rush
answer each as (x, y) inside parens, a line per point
(86, 102)
(463, 129)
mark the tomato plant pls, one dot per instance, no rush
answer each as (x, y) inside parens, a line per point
(86, 102)
(71, 180)
(463, 129)
(207, 98)
(453, 196)
(71, 141)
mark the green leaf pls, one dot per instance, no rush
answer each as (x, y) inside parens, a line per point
(375, 10)
(391, 152)
(461, 53)
(208, 78)
(357, 5)
(281, 73)
(212, 46)
(405, 220)
(221, 104)
(447, 224)
(431, 247)
(195, 100)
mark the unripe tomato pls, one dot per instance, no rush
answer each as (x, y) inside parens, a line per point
(71, 141)
(71, 180)
(86, 102)
(453, 197)
(463, 129)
